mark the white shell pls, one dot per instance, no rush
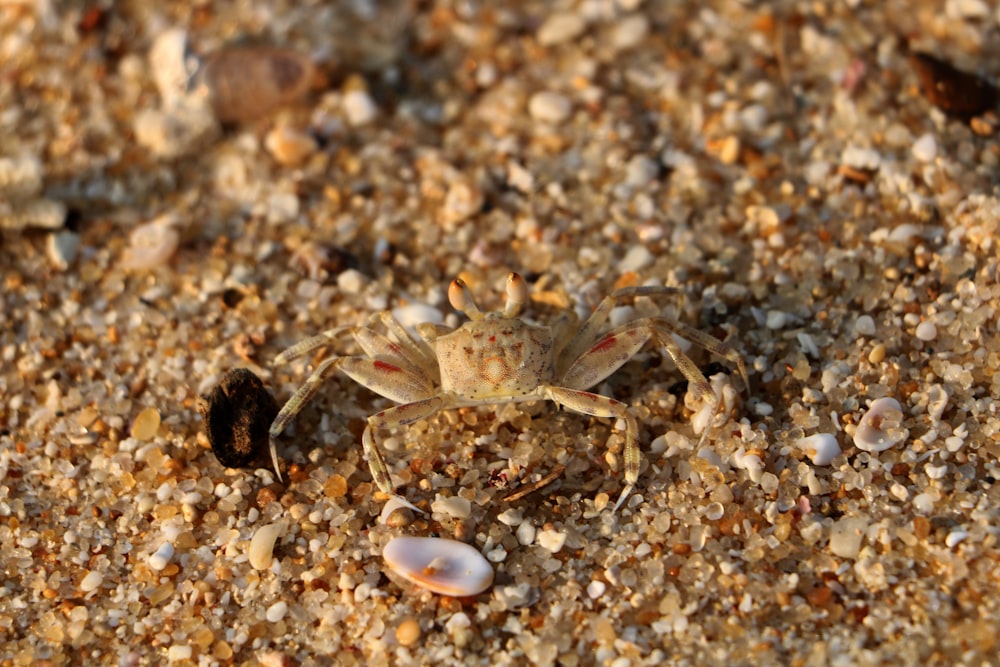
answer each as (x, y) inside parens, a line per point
(881, 427)
(445, 567)
(821, 448)
(262, 545)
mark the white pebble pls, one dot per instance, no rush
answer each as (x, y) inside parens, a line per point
(276, 612)
(923, 503)
(262, 545)
(821, 448)
(926, 331)
(511, 517)
(526, 533)
(936, 472)
(92, 581)
(629, 31)
(637, 258)
(776, 319)
(549, 107)
(179, 652)
(445, 567)
(881, 427)
(846, 536)
(595, 589)
(560, 27)
(161, 557)
(414, 314)
(937, 401)
(454, 506)
(152, 244)
(359, 107)
(955, 536)
(351, 281)
(925, 148)
(864, 326)
(553, 540)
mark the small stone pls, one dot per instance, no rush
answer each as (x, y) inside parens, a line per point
(525, 533)
(881, 426)
(289, 147)
(152, 244)
(454, 506)
(276, 611)
(637, 257)
(553, 540)
(864, 326)
(560, 27)
(161, 557)
(595, 589)
(62, 249)
(925, 148)
(629, 31)
(92, 581)
(846, 536)
(549, 107)
(926, 331)
(146, 424)
(335, 486)
(180, 652)
(408, 632)
(262, 545)
(359, 107)
(821, 448)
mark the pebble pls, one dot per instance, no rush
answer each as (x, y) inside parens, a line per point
(549, 107)
(553, 540)
(821, 448)
(276, 611)
(290, 147)
(262, 545)
(637, 257)
(442, 566)
(151, 244)
(525, 533)
(160, 558)
(408, 632)
(595, 589)
(560, 27)
(63, 248)
(243, 83)
(925, 148)
(881, 426)
(413, 314)
(864, 326)
(92, 581)
(146, 424)
(359, 107)
(926, 331)
(846, 536)
(629, 31)
(454, 506)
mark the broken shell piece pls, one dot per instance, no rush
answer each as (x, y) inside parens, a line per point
(152, 244)
(821, 448)
(395, 503)
(445, 567)
(243, 83)
(881, 427)
(261, 548)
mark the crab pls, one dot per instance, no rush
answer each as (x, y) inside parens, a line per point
(496, 358)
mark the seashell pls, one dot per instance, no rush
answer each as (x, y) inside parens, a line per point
(881, 427)
(262, 545)
(151, 244)
(243, 83)
(396, 503)
(821, 448)
(445, 567)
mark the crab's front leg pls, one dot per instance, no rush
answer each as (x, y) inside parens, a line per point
(589, 403)
(400, 415)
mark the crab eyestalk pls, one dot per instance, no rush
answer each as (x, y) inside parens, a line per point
(461, 300)
(517, 295)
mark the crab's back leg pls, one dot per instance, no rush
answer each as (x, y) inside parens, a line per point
(312, 344)
(584, 339)
(589, 403)
(414, 349)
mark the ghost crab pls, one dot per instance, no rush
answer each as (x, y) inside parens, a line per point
(496, 358)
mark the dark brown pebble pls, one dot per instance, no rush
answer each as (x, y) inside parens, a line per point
(955, 92)
(244, 83)
(238, 413)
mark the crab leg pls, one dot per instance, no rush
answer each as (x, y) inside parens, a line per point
(588, 403)
(399, 415)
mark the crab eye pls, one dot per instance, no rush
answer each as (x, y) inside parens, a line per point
(517, 294)
(461, 299)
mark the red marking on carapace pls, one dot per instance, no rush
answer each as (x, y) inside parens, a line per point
(493, 339)
(386, 368)
(605, 343)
